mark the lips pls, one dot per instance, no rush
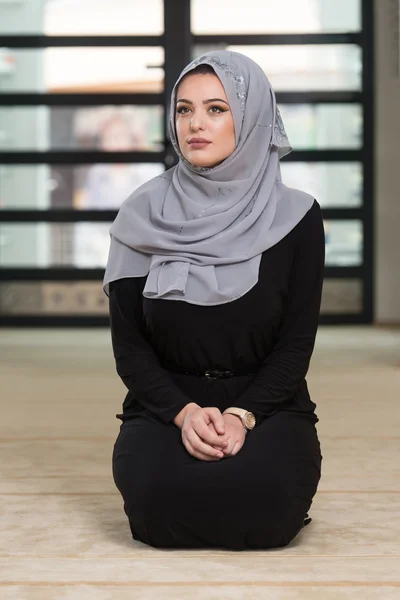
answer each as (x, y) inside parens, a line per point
(197, 143)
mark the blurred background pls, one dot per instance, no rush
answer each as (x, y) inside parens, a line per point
(84, 93)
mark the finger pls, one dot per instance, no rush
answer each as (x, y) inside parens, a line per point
(199, 455)
(216, 418)
(208, 434)
(224, 437)
(205, 429)
(200, 446)
(228, 450)
(237, 447)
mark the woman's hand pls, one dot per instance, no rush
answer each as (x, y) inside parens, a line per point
(203, 433)
(235, 434)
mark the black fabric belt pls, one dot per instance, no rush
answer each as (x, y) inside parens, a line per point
(214, 373)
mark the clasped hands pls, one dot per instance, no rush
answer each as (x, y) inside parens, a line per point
(208, 435)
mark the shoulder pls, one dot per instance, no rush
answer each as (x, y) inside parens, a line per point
(314, 215)
(308, 235)
(312, 221)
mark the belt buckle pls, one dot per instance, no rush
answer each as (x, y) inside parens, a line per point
(217, 374)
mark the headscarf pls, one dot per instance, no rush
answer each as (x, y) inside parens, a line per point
(198, 233)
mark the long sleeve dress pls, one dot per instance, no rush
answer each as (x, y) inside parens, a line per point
(258, 498)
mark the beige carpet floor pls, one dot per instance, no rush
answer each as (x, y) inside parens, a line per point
(63, 533)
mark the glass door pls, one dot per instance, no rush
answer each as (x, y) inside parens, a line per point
(81, 127)
(318, 57)
(83, 107)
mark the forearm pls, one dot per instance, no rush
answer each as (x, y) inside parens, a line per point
(152, 387)
(277, 382)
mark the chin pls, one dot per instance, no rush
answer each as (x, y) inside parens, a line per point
(203, 161)
(199, 161)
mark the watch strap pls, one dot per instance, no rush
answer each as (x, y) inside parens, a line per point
(239, 412)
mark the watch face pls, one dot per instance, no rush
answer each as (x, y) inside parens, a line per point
(250, 420)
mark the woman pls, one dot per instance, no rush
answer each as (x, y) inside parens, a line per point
(214, 277)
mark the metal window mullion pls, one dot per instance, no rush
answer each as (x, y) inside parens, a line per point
(344, 318)
(50, 274)
(336, 97)
(72, 157)
(69, 215)
(79, 99)
(56, 215)
(282, 39)
(343, 213)
(68, 157)
(154, 99)
(343, 272)
(336, 155)
(40, 42)
(177, 52)
(369, 155)
(175, 14)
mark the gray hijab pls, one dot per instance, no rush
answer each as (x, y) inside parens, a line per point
(198, 233)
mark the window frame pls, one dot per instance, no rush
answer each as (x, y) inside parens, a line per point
(177, 26)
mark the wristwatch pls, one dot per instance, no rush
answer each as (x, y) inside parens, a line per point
(247, 417)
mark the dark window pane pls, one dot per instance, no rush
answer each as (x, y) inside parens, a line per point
(89, 69)
(342, 296)
(323, 126)
(90, 128)
(99, 186)
(272, 16)
(332, 184)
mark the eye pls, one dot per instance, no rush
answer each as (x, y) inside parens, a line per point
(217, 109)
(181, 110)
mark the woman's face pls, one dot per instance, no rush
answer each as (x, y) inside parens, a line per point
(204, 122)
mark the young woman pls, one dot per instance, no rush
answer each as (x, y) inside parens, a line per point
(214, 278)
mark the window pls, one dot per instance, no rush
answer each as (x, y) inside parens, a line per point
(83, 123)
(270, 16)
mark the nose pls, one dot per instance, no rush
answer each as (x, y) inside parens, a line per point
(197, 122)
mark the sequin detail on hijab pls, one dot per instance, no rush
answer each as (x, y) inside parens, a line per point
(229, 71)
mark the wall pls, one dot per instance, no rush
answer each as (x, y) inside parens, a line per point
(387, 163)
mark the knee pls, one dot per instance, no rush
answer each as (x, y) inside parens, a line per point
(141, 489)
(272, 535)
(291, 528)
(148, 517)
(276, 530)
(147, 498)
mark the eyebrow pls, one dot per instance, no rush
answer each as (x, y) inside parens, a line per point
(204, 101)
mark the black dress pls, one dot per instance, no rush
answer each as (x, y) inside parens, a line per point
(260, 497)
